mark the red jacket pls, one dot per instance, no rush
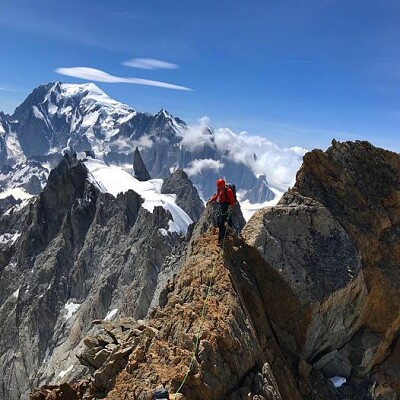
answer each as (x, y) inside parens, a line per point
(224, 195)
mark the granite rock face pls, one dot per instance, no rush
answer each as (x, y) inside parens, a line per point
(334, 238)
(212, 337)
(8, 202)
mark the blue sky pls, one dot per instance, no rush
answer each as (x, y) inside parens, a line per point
(298, 72)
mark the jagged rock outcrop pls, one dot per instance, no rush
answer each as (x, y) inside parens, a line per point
(74, 254)
(186, 194)
(345, 203)
(260, 192)
(139, 167)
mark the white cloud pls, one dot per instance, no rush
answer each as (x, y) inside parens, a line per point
(149, 63)
(97, 75)
(258, 153)
(198, 166)
(197, 136)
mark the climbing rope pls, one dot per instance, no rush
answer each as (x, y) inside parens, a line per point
(203, 313)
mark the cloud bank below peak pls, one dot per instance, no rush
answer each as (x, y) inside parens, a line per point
(261, 155)
(198, 166)
(97, 75)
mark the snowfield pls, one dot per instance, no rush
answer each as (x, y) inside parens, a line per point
(114, 180)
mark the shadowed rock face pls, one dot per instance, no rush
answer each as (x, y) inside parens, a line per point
(186, 194)
(223, 298)
(139, 167)
(362, 191)
(335, 239)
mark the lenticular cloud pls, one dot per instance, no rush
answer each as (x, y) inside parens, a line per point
(261, 155)
(97, 75)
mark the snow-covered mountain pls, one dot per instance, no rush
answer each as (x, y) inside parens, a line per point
(58, 116)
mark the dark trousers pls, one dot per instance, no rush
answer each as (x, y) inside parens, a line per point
(223, 216)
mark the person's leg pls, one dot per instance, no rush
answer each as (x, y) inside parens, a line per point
(221, 222)
(221, 227)
(230, 220)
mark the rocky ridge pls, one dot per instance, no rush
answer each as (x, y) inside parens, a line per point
(311, 292)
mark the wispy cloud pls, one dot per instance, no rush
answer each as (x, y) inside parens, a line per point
(6, 89)
(198, 166)
(125, 144)
(97, 75)
(149, 63)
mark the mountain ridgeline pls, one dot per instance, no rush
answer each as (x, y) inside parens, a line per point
(58, 117)
(101, 300)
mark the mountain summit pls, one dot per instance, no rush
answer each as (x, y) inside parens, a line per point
(57, 117)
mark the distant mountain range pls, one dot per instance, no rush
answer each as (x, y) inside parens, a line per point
(56, 117)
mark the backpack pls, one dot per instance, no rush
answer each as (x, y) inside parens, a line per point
(161, 393)
(232, 186)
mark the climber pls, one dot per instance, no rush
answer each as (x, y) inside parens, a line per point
(226, 199)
